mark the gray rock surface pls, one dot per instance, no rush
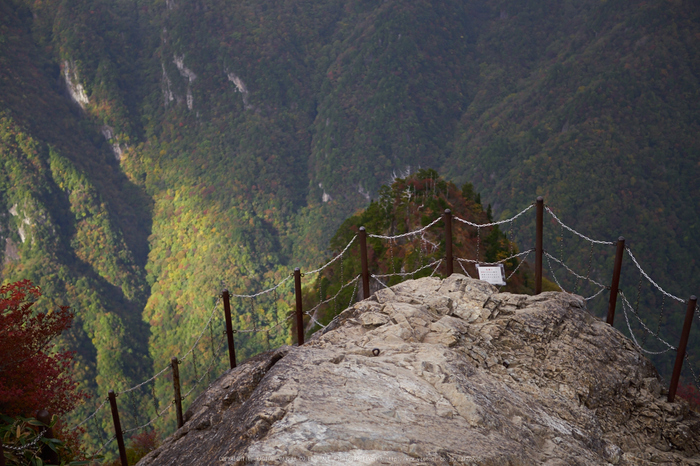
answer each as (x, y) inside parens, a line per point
(463, 376)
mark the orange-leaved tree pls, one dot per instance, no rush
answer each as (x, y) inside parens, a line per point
(33, 375)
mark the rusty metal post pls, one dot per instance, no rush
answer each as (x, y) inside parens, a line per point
(614, 286)
(229, 330)
(538, 245)
(447, 218)
(300, 314)
(118, 428)
(176, 389)
(365, 267)
(47, 454)
(680, 352)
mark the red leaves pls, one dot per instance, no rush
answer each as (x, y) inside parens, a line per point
(690, 394)
(32, 375)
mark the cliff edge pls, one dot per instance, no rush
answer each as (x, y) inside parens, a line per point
(443, 372)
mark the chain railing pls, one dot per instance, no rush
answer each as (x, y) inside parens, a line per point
(654, 284)
(408, 234)
(312, 312)
(556, 280)
(493, 224)
(29, 445)
(581, 235)
(627, 307)
(434, 264)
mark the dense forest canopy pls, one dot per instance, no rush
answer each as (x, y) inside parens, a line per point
(155, 152)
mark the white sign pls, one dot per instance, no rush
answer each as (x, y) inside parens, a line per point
(493, 274)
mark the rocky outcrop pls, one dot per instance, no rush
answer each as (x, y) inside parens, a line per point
(443, 372)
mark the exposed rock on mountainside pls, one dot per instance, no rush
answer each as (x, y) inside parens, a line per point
(443, 372)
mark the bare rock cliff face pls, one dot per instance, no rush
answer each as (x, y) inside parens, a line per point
(443, 372)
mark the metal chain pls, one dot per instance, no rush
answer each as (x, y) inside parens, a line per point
(661, 314)
(277, 324)
(478, 242)
(420, 250)
(502, 261)
(639, 294)
(561, 244)
(335, 258)
(436, 267)
(211, 316)
(510, 238)
(548, 256)
(577, 287)
(27, 445)
(155, 398)
(269, 290)
(427, 241)
(463, 269)
(337, 307)
(410, 233)
(576, 232)
(421, 254)
(380, 282)
(405, 274)
(625, 306)
(99, 432)
(255, 320)
(696, 380)
(136, 387)
(407, 257)
(135, 411)
(211, 340)
(276, 308)
(595, 295)
(312, 311)
(342, 273)
(634, 259)
(527, 253)
(104, 445)
(498, 289)
(316, 322)
(92, 415)
(158, 416)
(211, 365)
(194, 363)
(320, 289)
(408, 209)
(354, 293)
(590, 263)
(510, 275)
(484, 225)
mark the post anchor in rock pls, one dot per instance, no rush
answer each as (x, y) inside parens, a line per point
(680, 352)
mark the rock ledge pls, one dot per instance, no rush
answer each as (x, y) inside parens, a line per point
(463, 375)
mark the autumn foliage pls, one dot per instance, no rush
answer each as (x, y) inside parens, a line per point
(32, 374)
(689, 393)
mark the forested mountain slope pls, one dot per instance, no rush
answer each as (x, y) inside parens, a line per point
(70, 220)
(154, 152)
(594, 106)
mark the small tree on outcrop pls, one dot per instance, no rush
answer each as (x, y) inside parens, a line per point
(407, 205)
